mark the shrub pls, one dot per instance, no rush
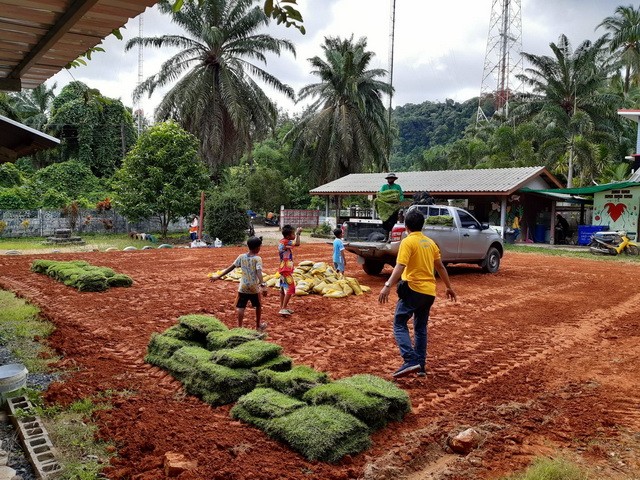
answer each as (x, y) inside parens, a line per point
(226, 217)
(3, 225)
(10, 175)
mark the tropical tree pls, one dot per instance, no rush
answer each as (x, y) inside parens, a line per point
(215, 96)
(161, 176)
(345, 128)
(568, 84)
(624, 41)
(34, 105)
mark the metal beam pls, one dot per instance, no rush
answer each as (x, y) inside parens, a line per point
(75, 12)
(11, 84)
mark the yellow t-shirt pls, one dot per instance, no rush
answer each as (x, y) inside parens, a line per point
(418, 253)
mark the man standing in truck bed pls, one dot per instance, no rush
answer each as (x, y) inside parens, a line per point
(387, 204)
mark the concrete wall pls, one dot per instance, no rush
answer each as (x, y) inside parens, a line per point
(43, 223)
(617, 208)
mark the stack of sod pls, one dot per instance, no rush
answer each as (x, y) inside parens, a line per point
(82, 275)
(371, 399)
(162, 347)
(197, 327)
(247, 355)
(263, 404)
(321, 432)
(294, 382)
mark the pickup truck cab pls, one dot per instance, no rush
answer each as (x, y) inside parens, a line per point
(460, 237)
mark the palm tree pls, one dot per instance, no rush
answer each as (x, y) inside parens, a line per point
(565, 85)
(345, 129)
(215, 96)
(624, 28)
(35, 105)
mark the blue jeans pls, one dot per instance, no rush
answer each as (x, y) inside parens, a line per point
(417, 305)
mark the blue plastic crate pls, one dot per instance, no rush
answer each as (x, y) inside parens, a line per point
(585, 232)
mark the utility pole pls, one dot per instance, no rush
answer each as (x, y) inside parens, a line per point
(502, 60)
(392, 31)
(138, 106)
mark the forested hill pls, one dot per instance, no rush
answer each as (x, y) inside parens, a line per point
(429, 124)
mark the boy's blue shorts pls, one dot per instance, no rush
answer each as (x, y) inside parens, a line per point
(339, 266)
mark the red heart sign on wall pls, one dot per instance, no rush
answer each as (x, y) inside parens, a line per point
(615, 210)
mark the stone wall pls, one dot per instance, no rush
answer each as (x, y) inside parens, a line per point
(43, 223)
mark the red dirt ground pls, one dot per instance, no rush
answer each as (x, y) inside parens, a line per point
(543, 357)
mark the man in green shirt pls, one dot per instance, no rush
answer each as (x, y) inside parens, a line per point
(388, 223)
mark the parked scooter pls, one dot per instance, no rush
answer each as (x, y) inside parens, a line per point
(272, 221)
(613, 243)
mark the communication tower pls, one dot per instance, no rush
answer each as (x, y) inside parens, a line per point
(502, 61)
(139, 110)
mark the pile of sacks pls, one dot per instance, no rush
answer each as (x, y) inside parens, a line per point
(312, 277)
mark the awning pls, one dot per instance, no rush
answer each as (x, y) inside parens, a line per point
(559, 195)
(591, 189)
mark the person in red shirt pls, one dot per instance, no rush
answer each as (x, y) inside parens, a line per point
(285, 250)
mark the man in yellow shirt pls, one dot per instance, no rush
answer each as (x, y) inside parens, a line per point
(418, 258)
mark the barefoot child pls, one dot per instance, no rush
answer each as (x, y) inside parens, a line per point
(339, 260)
(251, 283)
(285, 250)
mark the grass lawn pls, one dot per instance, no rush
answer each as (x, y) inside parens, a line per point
(92, 242)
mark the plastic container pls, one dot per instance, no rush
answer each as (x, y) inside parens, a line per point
(585, 232)
(217, 243)
(12, 377)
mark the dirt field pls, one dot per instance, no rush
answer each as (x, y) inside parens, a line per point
(543, 357)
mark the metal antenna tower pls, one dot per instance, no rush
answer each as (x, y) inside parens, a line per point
(138, 106)
(502, 61)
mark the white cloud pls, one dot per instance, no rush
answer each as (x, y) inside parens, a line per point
(439, 46)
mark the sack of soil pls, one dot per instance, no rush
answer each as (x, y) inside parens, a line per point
(321, 432)
(232, 338)
(396, 400)
(247, 355)
(295, 382)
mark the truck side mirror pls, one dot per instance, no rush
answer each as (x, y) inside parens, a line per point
(484, 226)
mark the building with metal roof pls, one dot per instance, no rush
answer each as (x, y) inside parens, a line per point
(38, 38)
(18, 140)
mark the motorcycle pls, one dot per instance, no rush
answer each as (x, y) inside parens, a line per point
(613, 243)
(272, 222)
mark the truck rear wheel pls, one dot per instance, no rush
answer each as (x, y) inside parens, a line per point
(372, 267)
(491, 262)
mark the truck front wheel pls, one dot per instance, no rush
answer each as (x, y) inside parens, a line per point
(372, 267)
(491, 262)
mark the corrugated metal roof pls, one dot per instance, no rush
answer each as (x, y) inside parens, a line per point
(20, 140)
(39, 37)
(480, 181)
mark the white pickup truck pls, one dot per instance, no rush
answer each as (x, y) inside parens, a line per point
(460, 237)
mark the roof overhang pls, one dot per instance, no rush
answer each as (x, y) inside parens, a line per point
(38, 38)
(560, 197)
(18, 140)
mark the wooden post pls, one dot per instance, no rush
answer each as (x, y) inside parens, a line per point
(201, 216)
(503, 216)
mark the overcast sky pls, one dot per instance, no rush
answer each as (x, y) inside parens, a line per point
(439, 50)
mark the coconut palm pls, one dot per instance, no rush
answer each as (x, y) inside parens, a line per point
(35, 105)
(624, 40)
(568, 84)
(344, 129)
(214, 94)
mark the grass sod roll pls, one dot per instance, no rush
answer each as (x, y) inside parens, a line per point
(201, 325)
(240, 413)
(119, 280)
(370, 409)
(106, 271)
(91, 282)
(178, 331)
(295, 382)
(397, 399)
(182, 363)
(232, 338)
(268, 403)
(321, 432)
(218, 384)
(281, 363)
(41, 266)
(247, 355)
(163, 346)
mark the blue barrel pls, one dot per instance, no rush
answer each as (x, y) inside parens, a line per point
(539, 233)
